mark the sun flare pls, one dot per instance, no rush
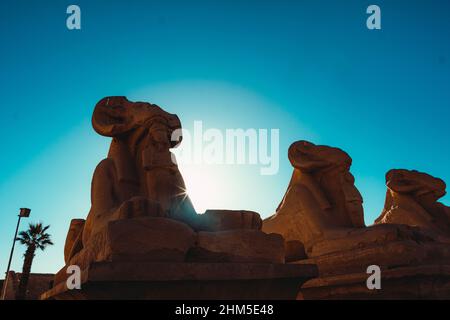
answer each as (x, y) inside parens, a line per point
(202, 186)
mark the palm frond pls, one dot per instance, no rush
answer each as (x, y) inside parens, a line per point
(35, 236)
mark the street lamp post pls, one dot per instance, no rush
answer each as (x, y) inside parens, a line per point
(24, 213)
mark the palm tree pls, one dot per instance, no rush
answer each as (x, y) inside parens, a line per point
(34, 238)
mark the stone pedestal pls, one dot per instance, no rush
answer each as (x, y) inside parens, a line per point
(150, 280)
(417, 282)
(413, 265)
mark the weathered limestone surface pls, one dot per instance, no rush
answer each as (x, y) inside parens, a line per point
(322, 209)
(422, 282)
(295, 250)
(38, 283)
(321, 196)
(150, 280)
(220, 220)
(148, 239)
(412, 199)
(239, 246)
(389, 255)
(73, 240)
(358, 238)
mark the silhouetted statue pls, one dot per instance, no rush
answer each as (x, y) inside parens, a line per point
(140, 207)
(321, 219)
(321, 195)
(411, 199)
(139, 177)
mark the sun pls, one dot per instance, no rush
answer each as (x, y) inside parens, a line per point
(204, 186)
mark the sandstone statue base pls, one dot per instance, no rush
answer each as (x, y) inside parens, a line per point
(414, 283)
(191, 281)
(413, 265)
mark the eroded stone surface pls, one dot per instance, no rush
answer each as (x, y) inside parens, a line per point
(139, 177)
(411, 199)
(295, 250)
(187, 281)
(220, 220)
(239, 246)
(358, 238)
(149, 239)
(413, 282)
(320, 198)
(390, 255)
(74, 239)
(322, 209)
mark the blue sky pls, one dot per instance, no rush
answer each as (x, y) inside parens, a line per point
(309, 68)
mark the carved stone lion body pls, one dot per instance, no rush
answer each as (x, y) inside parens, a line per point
(321, 196)
(139, 184)
(139, 177)
(411, 199)
(321, 218)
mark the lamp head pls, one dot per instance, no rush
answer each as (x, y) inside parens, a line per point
(24, 212)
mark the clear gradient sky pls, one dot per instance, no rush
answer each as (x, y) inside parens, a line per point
(309, 68)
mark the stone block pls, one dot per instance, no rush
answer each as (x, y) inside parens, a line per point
(238, 246)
